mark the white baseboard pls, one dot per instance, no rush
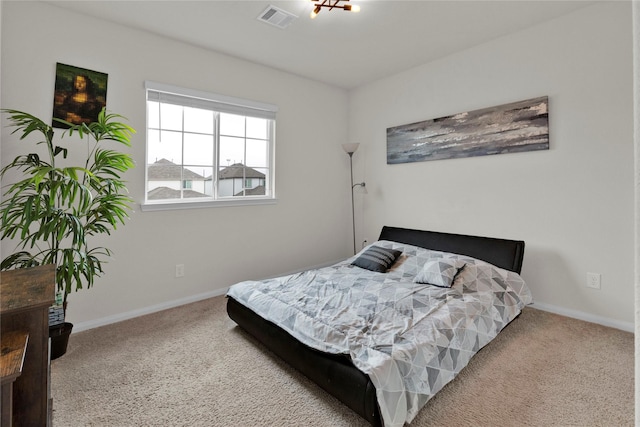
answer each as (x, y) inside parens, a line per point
(605, 321)
(83, 326)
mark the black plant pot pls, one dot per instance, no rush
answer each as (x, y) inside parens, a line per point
(59, 335)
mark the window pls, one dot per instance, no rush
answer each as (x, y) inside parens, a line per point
(207, 150)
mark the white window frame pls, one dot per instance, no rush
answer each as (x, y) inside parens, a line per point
(218, 103)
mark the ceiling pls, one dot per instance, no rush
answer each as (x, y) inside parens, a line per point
(344, 49)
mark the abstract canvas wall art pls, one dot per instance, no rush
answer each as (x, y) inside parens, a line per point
(509, 128)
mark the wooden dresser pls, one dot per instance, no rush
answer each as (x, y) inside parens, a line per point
(25, 297)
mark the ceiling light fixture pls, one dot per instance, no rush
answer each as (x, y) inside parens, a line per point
(332, 4)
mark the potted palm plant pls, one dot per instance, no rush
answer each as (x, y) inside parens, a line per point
(53, 208)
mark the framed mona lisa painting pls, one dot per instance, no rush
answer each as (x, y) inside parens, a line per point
(80, 95)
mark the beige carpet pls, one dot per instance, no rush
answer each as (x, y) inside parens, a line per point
(191, 366)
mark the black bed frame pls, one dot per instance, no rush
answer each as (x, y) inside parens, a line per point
(335, 373)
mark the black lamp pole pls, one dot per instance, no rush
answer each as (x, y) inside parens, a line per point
(350, 149)
(353, 212)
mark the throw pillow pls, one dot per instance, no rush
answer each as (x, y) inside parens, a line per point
(440, 272)
(377, 258)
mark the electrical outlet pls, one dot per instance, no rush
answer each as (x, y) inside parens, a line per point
(179, 270)
(593, 280)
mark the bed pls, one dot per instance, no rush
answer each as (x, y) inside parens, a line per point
(387, 372)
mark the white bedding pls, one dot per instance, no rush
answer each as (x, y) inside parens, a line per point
(411, 339)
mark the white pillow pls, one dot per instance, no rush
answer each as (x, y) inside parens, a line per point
(440, 272)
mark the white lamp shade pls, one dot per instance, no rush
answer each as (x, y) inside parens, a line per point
(351, 148)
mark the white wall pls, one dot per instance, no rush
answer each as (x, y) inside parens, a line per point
(572, 204)
(219, 246)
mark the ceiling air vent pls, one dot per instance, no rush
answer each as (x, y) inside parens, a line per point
(277, 17)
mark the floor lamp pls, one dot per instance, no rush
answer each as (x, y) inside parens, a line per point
(350, 149)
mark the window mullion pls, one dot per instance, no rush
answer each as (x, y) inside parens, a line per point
(216, 153)
(270, 161)
(182, 174)
(244, 160)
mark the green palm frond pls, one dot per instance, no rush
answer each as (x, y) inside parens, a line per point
(52, 211)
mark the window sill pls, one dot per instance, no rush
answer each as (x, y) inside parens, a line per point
(166, 206)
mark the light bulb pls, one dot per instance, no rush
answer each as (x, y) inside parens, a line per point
(355, 8)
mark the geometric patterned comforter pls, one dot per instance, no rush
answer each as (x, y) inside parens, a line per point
(411, 339)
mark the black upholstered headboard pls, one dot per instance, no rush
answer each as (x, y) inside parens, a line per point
(507, 254)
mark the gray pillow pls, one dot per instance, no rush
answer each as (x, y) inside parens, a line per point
(440, 272)
(377, 258)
